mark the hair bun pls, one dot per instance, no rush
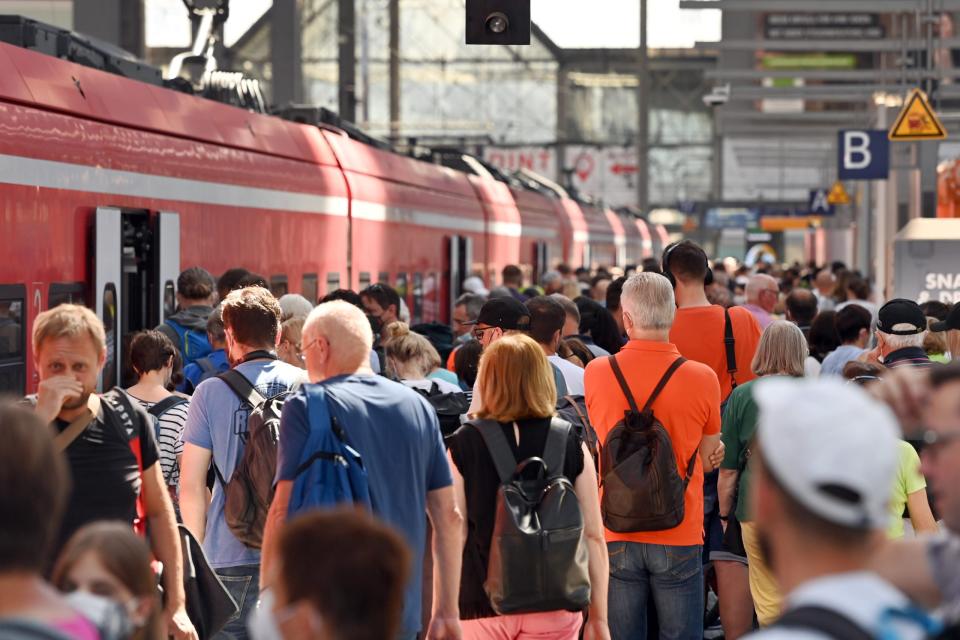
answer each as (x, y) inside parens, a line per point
(396, 330)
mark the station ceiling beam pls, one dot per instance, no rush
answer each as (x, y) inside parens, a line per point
(821, 6)
(852, 75)
(830, 46)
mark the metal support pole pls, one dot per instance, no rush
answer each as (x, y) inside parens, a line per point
(394, 46)
(643, 116)
(286, 55)
(346, 60)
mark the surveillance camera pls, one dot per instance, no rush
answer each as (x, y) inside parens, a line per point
(718, 96)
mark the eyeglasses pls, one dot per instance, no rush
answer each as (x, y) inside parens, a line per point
(935, 439)
(303, 350)
(478, 332)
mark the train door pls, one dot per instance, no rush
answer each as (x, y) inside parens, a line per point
(459, 259)
(136, 261)
(541, 260)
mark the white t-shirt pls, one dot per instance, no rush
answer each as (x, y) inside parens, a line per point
(811, 368)
(861, 596)
(572, 374)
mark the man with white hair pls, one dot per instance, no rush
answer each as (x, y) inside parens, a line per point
(762, 294)
(397, 435)
(552, 282)
(821, 511)
(901, 328)
(294, 305)
(665, 563)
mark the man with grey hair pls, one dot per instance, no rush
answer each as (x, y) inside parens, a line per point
(685, 398)
(465, 312)
(762, 294)
(397, 435)
(901, 328)
(552, 282)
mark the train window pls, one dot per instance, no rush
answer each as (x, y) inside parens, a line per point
(109, 315)
(383, 278)
(278, 285)
(65, 293)
(416, 314)
(13, 369)
(169, 299)
(333, 281)
(308, 288)
(364, 280)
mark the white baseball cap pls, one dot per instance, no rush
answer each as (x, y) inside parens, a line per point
(473, 284)
(831, 447)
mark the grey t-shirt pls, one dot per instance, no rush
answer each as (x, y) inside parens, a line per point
(217, 421)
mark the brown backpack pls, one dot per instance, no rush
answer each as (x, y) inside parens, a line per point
(642, 488)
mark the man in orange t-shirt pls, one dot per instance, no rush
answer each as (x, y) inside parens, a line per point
(665, 564)
(698, 332)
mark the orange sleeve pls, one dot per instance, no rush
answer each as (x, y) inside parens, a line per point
(747, 332)
(711, 387)
(451, 358)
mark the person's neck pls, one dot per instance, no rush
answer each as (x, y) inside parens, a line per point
(246, 351)
(794, 567)
(753, 303)
(649, 335)
(690, 295)
(548, 349)
(362, 370)
(151, 387)
(21, 590)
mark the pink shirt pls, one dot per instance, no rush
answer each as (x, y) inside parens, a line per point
(78, 628)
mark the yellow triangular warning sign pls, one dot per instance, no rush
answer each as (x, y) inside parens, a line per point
(838, 195)
(917, 121)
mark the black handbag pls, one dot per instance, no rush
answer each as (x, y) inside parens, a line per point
(209, 604)
(733, 535)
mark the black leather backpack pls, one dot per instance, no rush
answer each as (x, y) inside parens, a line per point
(538, 554)
(642, 489)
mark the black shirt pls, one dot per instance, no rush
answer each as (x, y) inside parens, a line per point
(481, 484)
(104, 470)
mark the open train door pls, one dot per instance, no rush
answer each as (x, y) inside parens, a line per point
(541, 260)
(459, 259)
(108, 285)
(167, 262)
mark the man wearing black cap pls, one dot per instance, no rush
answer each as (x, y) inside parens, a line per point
(901, 327)
(952, 326)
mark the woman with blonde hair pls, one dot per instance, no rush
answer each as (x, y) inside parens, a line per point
(107, 559)
(781, 352)
(517, 391)
(414, 361)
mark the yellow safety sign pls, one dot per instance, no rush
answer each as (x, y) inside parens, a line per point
(838, 195)
(917, 121)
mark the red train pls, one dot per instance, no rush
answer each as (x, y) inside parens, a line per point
(110, 186)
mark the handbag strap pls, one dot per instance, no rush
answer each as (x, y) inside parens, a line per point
(78, 425)
(730, 345)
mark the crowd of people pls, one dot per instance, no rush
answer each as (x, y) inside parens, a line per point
(680, 449)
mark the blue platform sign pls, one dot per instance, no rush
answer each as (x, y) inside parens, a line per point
(819, 204)
(863, 154)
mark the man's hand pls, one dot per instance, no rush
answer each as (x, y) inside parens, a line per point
(596, 630)
(717, 456)
(179, 625)
(444, 629)
(905, 391)
(53, 393)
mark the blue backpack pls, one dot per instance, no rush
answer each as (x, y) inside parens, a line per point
(330, 471)
(193, 344)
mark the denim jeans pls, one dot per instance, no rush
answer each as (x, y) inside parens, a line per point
(243, 583)
(672, 575)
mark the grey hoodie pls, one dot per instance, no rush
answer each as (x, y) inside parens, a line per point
(191, 318)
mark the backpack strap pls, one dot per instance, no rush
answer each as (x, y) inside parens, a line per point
(828, 622)
(242, 387)
(555, 449)
(618, 372)
(206, 365)
(576, 407)
(663, 381)
(730, 345)
(503, 458)
(121, 396)
(165, 405)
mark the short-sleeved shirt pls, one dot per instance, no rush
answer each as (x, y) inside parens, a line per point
(169, 434)
(688, 407)
(217, 421)
(192, 373)
(106, 476)
(909, 480)
(698, 334)
(837, 359)
(739, 426)
(397, 434)
(481, 485)
(572, 374)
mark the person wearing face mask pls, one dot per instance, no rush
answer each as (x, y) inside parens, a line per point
(154, 358)
(108, 561)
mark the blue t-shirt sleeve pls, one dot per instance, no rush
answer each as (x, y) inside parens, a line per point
(196, 430)
(438, 469)
(294, 430)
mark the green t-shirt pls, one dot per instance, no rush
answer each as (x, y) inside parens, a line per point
(737, 431)
(909, 480)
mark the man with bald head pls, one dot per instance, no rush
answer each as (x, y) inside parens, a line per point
(397, 435)
(825, 283)
(801, 307)
(762, 295)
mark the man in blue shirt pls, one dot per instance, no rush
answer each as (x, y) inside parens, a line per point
(214, 363)
(215, 431)
(398, 437)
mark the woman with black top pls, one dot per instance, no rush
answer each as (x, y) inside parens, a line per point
(518, 391)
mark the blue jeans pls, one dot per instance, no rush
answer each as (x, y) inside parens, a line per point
(672, 575)
(243, 583)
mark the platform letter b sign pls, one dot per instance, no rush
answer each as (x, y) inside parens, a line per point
(864, 155)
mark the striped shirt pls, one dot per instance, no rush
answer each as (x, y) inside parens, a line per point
(169, 444)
